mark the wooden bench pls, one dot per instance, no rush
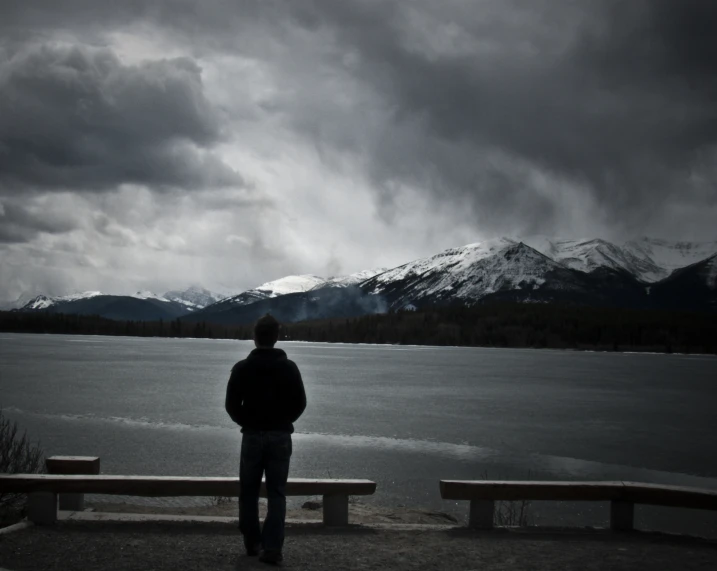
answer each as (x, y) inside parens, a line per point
(622, 497)
(42, 490)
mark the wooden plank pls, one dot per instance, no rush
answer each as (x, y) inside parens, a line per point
(530, 490)
(73, 465)
(673, 496)
(155, 486)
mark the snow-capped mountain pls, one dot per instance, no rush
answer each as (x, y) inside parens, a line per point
(195, 297)
(638, 273)
(143, 306)
(45, 302)
(469, 274)
(290, 284)
(588, 255)
(351, 279)
(282, 286)
(146, 294)
(22, 300)
(670, 256)
(648, 259)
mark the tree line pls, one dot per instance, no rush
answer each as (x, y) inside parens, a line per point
(495, 325)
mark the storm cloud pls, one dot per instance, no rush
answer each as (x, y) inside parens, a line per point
(75, 118)
(316, 136)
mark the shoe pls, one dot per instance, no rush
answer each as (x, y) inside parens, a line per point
(274, 557)
(252, 547)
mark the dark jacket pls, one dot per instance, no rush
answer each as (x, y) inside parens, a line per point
(265, 392)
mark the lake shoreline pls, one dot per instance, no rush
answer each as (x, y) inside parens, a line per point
(632, 351)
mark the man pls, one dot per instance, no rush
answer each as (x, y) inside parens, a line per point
(265, 396)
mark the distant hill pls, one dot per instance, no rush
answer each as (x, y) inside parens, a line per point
(122, 308)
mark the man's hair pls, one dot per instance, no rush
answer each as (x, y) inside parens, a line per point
(266, 331)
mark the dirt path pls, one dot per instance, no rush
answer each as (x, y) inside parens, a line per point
(185, 546)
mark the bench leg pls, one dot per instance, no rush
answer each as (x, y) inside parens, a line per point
(481, 514)
(622, 515)
(336, 510)
(42, 507)
(72, 502)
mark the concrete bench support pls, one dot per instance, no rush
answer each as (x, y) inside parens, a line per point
(481, 514)
(336, 510)
(42, 508)
(77, 465)
(622, 515)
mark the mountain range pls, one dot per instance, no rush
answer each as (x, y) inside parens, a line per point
(644, 273)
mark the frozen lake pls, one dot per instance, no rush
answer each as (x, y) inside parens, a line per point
(402, 416)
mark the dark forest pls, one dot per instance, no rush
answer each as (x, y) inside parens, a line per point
(496, 325)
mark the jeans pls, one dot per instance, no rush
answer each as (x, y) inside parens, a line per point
(269, 453)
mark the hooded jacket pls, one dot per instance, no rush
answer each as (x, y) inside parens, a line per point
(265, 392)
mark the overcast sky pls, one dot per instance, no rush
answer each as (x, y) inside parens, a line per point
(162, 143)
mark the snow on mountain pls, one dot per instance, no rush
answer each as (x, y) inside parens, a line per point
(146, 294)
(282, 286)
(194, 297)
(591, 254)
(351, 279)
(454, 258)
(669, 256)
(44, 301)
(22, 300)
(290, 284)
(468, 273)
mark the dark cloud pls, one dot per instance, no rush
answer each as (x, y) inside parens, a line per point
(20, 222)
(619, 96)
(76, 118)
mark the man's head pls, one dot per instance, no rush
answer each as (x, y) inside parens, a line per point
(266, 332)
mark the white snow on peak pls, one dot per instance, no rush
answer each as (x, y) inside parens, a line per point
(589, 254)
(83, 295)
(44, 301)
(470, 272)
(146, 294)
(455, 258)
(290, 284)
(40, 302)
(195, 297)
(352, 279)
(671, 255)
(282, 286)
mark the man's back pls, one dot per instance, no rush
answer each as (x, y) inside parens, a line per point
(265, 392)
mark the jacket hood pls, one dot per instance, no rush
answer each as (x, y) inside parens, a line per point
(272, 354)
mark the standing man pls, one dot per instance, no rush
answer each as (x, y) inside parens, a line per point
(265, 396)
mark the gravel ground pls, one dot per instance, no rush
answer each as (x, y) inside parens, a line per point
(184, 546)
(358, 512)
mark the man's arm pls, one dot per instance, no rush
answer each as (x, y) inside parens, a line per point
(297, 402)
(235, 396)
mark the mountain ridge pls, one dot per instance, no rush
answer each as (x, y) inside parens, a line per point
(535, 269)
